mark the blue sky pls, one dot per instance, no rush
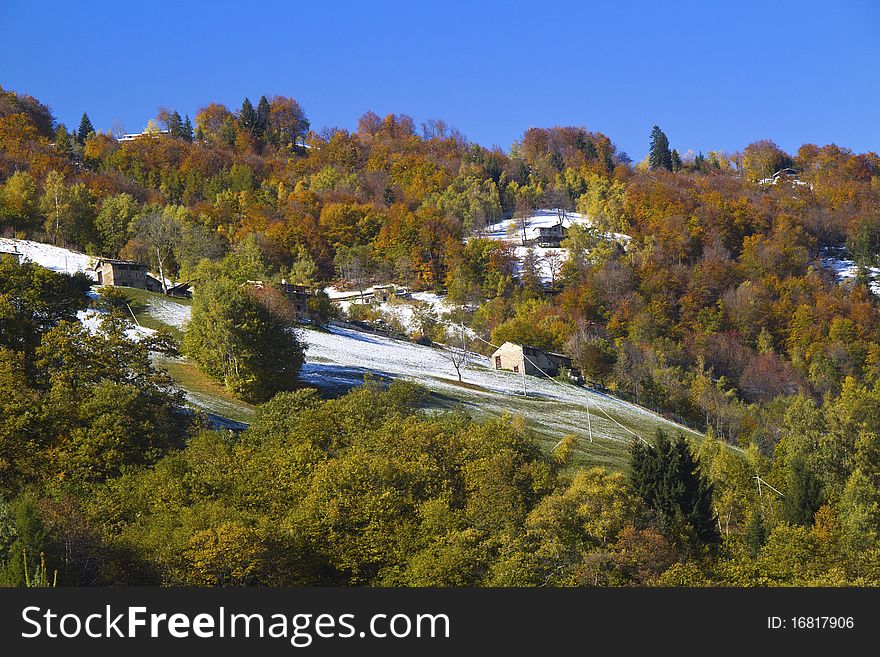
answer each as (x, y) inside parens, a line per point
(713, 75)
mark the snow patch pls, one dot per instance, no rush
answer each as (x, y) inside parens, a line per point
(169, 312)
(51, 257)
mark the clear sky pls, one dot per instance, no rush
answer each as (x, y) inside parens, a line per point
(713, 75)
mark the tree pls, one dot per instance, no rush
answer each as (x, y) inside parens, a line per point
(456, 351)
(114, 222)
(247, 117)
(187, 131)
(864, 241)
(659, 156)
(530, 273)
(240, 342)
(85, 128)
(261, 121)
(860, 503)
(553, 260)
(63, 141)
(675, 160)
(761, 159)
(175, 126)
(54, 203)
(803, 493)
(287, 122)
(68, 210)
(304, 270)
(668, 479)
(18, 201)
(161, 232)
(33, 300)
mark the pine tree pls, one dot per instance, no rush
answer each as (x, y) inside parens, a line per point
(262, 119)
(85, 128)
(63, 142)
(247, 117)
(659, 155)
(187, 129)
(175, 125)
(668, 479)
(756, 535)
(803, 493)
(675, 160)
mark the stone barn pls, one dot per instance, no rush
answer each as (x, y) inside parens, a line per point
(125, 273)
(529, 360)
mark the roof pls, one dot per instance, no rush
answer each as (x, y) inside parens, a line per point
(113, 261)
(529, 349)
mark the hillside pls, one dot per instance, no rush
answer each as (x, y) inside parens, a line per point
(340, 359)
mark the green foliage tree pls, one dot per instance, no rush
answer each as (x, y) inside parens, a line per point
(803, 493)
(659, 155)
(668, 479)
(85, 128)
(19, 201)
(114, 222)
(241, 343)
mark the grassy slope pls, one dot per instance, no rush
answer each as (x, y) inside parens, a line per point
(141, 301)
(201, 390)
(550, 419)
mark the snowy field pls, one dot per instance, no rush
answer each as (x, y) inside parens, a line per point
(51, 257)
(509, 231)
(342, 358)
(169, 312)
(846, 269)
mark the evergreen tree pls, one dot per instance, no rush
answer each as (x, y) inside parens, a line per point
(675, 160)
(63, 142)
(175, 125)
(85, 128)
(262, 119)
(187, 129)
(860, 501)
(247, 117)
(756, 534)
(803, 494)
(659, 155)
(668, 479)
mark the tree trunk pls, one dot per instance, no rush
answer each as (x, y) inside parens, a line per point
(161, 271)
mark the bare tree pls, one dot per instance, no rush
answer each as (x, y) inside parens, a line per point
(553, 260)
(457, 354)
(162, 233)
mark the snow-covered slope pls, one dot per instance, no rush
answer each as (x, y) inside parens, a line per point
(48, 256)
(846, 269)
(511, 232)
(340, 359)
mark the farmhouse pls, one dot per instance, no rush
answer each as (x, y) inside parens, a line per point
(529, 360)
(125, 273)
(551, 236)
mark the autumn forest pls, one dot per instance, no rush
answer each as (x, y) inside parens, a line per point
(706, 287)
